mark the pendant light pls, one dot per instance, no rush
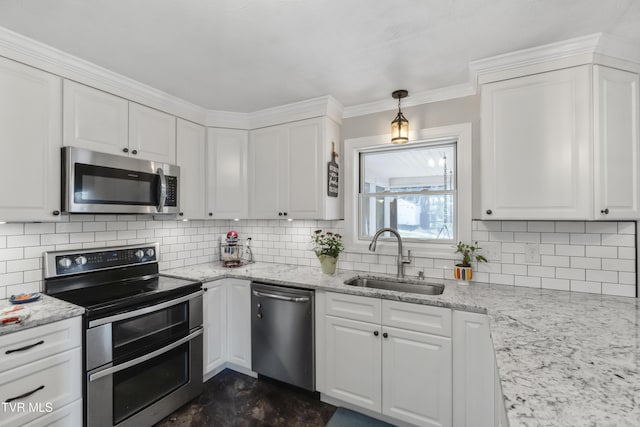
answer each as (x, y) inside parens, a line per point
(399, 125)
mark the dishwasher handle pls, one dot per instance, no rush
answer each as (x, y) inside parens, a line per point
(280, 297)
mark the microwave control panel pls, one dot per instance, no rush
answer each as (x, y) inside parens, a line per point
(172, 191)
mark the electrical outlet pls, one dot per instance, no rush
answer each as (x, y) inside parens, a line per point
(491, 251)
(531, 252)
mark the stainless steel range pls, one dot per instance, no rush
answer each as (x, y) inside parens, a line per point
(143, 332)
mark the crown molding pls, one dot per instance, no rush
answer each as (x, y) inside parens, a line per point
(227, 119)
(418, 98)
(39, 55)
(590, 49)
(314, 107)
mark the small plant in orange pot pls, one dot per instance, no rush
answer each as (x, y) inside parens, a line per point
(463, 270)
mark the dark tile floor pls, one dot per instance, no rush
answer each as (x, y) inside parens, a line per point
(233, 399)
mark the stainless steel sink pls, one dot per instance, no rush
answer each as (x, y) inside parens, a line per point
(413, 287)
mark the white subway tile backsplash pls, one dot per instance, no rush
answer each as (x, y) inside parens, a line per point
(557, 284)
(619, 265)
(620, 290)
(541, 226)
(557, 238)
(514, 226)
(570, 226)
(573, 255)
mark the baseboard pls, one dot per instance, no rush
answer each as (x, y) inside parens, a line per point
(227, 365)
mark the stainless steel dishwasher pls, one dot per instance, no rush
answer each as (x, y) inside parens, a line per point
(282, 334)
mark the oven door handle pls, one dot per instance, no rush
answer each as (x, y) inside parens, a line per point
(145, 310)
(142, 359)
(163, 190)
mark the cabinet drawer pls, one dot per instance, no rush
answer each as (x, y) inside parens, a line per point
(27, 346)
(353, 307)
(55, 381)
(67, 416)
(417, 317)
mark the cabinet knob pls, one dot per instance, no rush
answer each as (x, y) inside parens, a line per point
(489, 211)
(285, 214)
(210, 213)
(205, 289)
(56, 213)
(125, 150)
(134, 152)
(181, 213)
(385, 335)
(279, 213)
(605, 211)
(376, 333)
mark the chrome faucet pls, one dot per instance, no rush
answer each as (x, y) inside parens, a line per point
(401, 259)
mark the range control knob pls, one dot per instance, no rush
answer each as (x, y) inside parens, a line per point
(139, 254)
(65, 263)
(81, 260)
(150, 252)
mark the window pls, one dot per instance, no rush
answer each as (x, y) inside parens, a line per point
(411, 188)
(404, 187)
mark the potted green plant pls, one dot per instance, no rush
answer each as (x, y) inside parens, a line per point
(327, 247)
(463, 270)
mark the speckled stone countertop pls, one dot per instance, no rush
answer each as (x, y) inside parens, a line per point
(45, 310)
(564, 359)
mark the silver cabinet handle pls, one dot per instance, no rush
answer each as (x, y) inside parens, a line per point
(144, 358)
(163, 190)
(281, 297)
(145, 310)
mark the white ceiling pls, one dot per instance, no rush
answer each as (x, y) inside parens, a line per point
(246, 55)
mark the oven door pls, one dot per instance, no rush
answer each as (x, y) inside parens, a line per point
(103, 183)
(142, 391)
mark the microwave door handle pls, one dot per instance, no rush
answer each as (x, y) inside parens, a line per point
(163, 190)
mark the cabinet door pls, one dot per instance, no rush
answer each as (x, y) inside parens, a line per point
(239, 322)
(536, 151)
(268, 153)
(353, 365)
(215, 326)
(227, 181)
(191, 159)
(416, 380)
(305, 184)
(95, 120)
(473, 371)
(616, 133)
(31, 117)
(152, 134)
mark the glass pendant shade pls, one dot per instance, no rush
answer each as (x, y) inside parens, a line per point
(400, 129)
(400, 125)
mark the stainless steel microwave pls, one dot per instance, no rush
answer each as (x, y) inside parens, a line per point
(95, 182)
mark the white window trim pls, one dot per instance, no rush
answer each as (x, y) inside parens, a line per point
(352, 147)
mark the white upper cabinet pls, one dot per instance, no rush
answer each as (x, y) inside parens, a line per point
(289, 166)
(267, 150)
(152, 134)
(546, 154)
(31, 117)
(191, 159)
(227, 183)
(95, 120)
(536, 148)
(616, 135)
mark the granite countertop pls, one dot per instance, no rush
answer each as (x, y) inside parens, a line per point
(46, 310)
(564, 359)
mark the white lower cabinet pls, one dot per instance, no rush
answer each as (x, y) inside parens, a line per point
(398, 372)
(353, 369)
(416, 380)
(227, 326)
(473, 371)
(42, 383)
(215, 326)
